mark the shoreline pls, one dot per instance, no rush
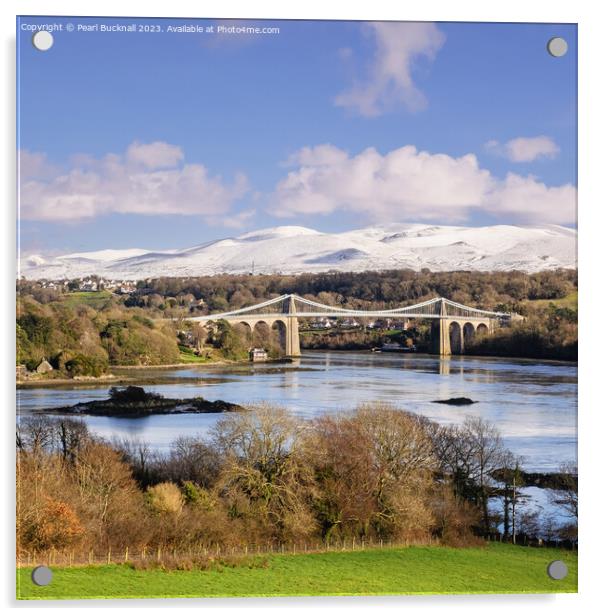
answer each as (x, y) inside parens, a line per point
(125, 378)
(117, 379)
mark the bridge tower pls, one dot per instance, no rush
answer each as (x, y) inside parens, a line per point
(441, 333)
(440, 339)
(292, 345)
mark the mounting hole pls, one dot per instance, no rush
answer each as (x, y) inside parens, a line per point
(42, 40)
(557, 47)
(41, 576)
(557, 570)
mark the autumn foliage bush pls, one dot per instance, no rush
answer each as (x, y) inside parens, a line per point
(262, 477)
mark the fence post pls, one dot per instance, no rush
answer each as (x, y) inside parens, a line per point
(109, 557)
(127, 551)
(159, 553)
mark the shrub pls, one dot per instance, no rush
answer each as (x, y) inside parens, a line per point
(165, 498)
(56, 526)
(87, 365)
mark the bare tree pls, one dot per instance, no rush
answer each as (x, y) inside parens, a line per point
(566, 496)
(486, 451)
(511, 479)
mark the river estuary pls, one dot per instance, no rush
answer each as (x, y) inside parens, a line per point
(532, 403)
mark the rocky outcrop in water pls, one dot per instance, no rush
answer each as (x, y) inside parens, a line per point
(134, 401)
(456, 401)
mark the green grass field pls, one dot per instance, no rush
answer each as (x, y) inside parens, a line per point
(187, 356)
(94, 299)
(497, 568)
(568, 301)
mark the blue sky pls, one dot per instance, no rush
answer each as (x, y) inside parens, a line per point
(164, 140)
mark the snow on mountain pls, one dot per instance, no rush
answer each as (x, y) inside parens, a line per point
(291, 249)
(107, 255)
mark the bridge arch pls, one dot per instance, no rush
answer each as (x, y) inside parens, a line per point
(455, 338)
(482, 329)
(468, 332)
(261, 333)
(245, 329)
(279, 327)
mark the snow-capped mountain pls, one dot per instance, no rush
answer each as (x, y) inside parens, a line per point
(298, 249)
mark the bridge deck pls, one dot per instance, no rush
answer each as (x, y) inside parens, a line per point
(291, 305)
(362, 315)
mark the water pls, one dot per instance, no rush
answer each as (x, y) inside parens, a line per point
(532, 403)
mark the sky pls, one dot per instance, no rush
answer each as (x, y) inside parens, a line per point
(173, 138)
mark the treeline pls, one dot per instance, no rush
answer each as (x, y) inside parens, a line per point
(265, 476)
(489, 290)
(83, 334)
(548, 332)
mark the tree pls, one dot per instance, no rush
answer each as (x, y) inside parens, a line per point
(192, 459)
(226, 339)
(468, 455)
(566, 496)
(105, 486)
(56, 526)
(512, 479)
(264, 479)
(486, 450)
(374, 470)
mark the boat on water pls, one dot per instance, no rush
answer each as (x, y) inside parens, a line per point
(394, 347)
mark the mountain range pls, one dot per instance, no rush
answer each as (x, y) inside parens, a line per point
(293, 250)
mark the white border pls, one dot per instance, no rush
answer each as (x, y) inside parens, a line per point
(590, 239)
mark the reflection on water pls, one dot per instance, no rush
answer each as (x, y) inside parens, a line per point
(533, 404)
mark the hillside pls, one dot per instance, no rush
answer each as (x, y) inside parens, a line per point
(296, 250)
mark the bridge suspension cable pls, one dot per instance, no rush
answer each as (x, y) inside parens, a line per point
(294, 305)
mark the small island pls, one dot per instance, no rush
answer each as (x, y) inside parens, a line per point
(134, 401)
(461, 401)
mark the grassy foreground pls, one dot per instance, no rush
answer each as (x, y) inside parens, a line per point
(395, 571)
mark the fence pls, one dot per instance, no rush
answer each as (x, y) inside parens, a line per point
(78, 558)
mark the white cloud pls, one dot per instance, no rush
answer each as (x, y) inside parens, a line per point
(525, 149)
(406, 184)
(528, 200)
(156, 155)
(389, 81)
(148, 179)
(35, 165)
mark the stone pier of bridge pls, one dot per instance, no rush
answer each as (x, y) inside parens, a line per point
(449, 335)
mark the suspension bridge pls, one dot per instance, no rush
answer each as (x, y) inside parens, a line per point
(452, 324)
